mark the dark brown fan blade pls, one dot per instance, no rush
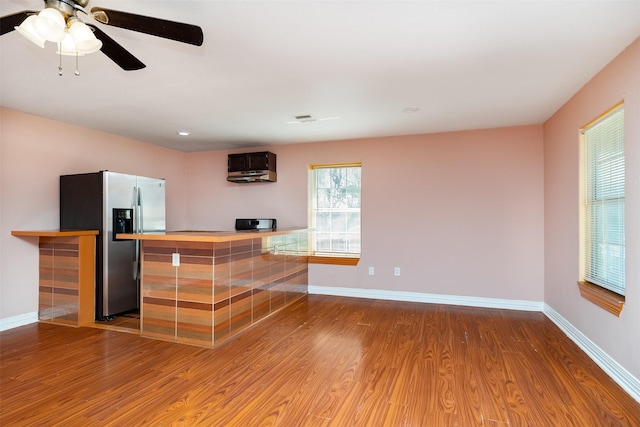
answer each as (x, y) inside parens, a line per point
(8, 22)
(116, 52)
(185, 33)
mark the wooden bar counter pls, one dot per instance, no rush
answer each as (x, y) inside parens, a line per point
(66, 285)
(202, 287)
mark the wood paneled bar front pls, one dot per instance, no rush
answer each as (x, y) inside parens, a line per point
(66, 285)
(202, 287)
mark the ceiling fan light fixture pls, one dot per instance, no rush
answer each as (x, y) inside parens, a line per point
(28, 30)
(85, 41)
(50, 24)
(59, 19)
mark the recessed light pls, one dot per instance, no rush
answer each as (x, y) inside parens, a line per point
(184, 133)
(410, 109)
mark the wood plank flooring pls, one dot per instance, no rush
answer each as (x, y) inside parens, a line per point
(324, 361)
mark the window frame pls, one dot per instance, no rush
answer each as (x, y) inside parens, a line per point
(323, 257)
(601, 294)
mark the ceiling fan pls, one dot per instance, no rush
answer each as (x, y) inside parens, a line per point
(46, 25)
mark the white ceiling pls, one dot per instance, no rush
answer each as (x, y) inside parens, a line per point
(464, 64)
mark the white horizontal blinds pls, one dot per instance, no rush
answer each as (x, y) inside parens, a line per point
(604, 202)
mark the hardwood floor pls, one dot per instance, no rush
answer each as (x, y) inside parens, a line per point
(325, 361)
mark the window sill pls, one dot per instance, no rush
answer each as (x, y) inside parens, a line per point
(334, 260)
(601, 297)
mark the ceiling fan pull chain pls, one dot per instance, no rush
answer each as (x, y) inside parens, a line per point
(60, 65)
(77, 72)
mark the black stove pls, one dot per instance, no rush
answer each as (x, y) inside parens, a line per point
(255, 223)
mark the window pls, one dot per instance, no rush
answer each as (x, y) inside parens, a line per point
(334, 211)
(603, 222)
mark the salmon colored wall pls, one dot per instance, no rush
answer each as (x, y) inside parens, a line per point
(618, 337)
(34, 152)
(460, 213)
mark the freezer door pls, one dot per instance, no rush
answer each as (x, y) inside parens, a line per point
(151, 209)
(119, 291)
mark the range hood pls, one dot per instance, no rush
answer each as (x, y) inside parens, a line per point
(251, 167)
(252, 176)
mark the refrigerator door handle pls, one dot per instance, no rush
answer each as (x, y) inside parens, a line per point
(134, 200)
(140, 213)
(136, 226)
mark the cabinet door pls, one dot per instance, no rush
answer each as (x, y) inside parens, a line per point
(236, 163)
(258, 161)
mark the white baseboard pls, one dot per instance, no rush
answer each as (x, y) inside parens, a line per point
(428, 298)
(618, 373)
(19, 320)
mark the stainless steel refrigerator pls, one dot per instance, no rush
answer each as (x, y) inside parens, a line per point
(114, 203)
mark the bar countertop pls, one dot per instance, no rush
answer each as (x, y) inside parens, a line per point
(53, 233)
(211, 236)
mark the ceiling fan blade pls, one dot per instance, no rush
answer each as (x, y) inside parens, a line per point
(185, 33)
(116, 52)
(8, 22)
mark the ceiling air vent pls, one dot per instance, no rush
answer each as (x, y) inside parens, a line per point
(308, 118)
(305, 118)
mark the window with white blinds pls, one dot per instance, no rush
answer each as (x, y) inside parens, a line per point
(604, 190)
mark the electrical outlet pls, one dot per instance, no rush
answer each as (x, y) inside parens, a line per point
(396, 271)
(175, 259)
(371, 271)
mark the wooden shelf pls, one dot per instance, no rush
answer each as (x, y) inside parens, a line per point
(53, 233)
(601, 297)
